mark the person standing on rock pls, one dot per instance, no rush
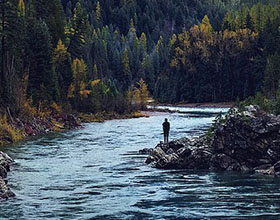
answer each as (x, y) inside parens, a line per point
(166, 128)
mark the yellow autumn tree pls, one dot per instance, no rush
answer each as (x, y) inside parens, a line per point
(98, 12)
(139, 95)
(136, 96)
(144, 93)
(21, 8)
(182, 50)
(79, 70)
(203, 37)
(78, 89)
(60, 53)
(206, 25)
(143, 40)
(132, 26)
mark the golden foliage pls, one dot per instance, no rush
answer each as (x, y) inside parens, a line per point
(136, 95)
(95, 82)
(139, 95)
(21, 8)
(234, 41)
(143, 40)
(60, 53)
(8, 130)
(159, 44)
(57, 126)
(137, 115)
(44, 110)
(79, 69)
(144, 93)
(182, 50)
(83, 91)
(55, 108)
(132, 26)
(205, 25)
(78, 88)
(174, 62)
(184, 40)
(172, 41)
(125, 62)
(99, 117)
(98, 12)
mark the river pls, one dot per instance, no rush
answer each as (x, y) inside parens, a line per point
(96, 173)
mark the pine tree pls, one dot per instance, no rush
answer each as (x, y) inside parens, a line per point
(205, 24)
(272, 76)
(63, 68)
(249, 23)
(43, 83)
(60, 53)
(126, 70)
(12, 34)
(95, 72)
(78, 89)
(144, 93)
(98, 12)
(51, 12)
(21, 8)
(78, 31)
(143, 40)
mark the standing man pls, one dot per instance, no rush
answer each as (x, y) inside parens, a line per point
(166, 128)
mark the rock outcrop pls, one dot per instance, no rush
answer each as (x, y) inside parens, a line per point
(5, 162)
(246, 141)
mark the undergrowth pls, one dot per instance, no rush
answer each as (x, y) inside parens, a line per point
(8, 133)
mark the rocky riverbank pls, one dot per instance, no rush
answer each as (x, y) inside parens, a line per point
(247, 141)
(5, 162)
(15, 129)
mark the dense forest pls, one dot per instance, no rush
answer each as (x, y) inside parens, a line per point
(90, 55)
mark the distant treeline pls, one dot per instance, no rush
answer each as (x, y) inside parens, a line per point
(89, 55)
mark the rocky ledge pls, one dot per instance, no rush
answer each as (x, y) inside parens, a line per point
(247, 141)
(5, 162)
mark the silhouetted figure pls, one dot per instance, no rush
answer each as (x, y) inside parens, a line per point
(166, 128)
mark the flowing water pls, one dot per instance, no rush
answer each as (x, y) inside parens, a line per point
(97, 173)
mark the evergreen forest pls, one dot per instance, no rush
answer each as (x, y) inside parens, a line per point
(106, 55)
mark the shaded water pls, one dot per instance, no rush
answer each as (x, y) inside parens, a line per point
(97, 173)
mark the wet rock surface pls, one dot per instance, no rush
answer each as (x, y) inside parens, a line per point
(247, 141)
(5, 162)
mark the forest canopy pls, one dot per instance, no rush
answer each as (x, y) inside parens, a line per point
(90, 55)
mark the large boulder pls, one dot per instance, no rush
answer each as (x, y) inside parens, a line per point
(5, 162)
(246, 141)
(179, 154)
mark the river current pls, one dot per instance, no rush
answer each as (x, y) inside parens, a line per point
(96, 173)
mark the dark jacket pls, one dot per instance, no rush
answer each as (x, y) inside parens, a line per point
(166, 127)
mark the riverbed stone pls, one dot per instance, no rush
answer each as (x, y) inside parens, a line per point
(146, 151)
(3, 172)
(5, 162)
(247, 141)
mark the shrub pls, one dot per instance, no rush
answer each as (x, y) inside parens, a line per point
(8, 131)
